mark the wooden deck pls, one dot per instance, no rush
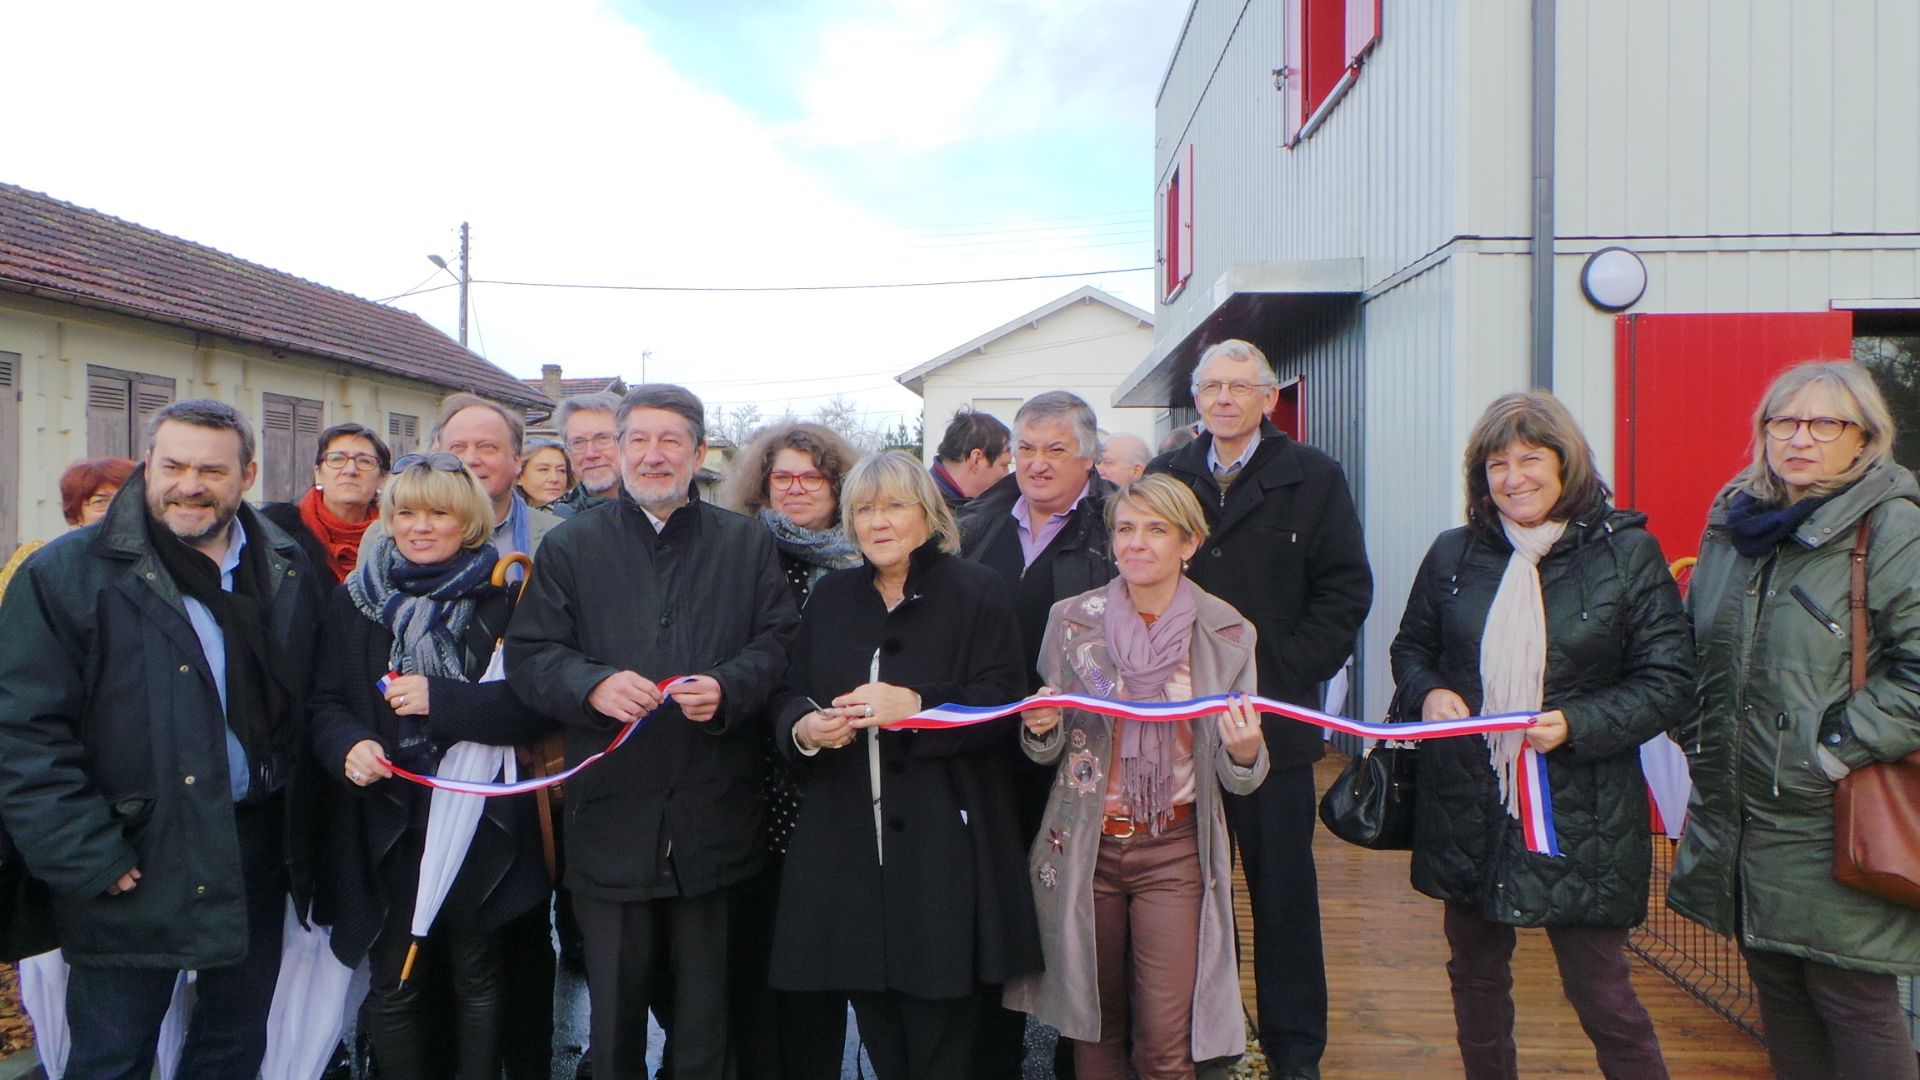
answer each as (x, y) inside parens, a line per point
(1391, 1016)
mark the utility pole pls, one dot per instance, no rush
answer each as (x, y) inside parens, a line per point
(466, 282)
(645, 355)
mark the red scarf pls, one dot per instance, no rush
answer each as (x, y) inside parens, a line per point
(340, 538)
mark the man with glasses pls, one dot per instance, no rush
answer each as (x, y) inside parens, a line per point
(662, 832)
(1285, 548)
(1044, 530)
(585, 423)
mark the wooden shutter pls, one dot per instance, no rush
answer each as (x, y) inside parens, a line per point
(403, 433)
(307, 415)
(150, 395)
(1363, 29)
(109, 415)
(1293, 81)
(277, 447)
(10, 453)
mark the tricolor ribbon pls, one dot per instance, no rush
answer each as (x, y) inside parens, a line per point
(1536, 800)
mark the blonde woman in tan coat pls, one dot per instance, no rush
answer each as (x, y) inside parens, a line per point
(1130, 868)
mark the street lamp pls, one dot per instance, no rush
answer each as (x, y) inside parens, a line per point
(464, 277)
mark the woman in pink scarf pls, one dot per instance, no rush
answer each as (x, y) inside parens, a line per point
(1130, 867)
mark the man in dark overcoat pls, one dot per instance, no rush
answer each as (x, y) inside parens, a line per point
(629, 594)
(152, 683)
(1285, 548)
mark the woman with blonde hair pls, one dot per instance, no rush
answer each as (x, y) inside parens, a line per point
(409, 633)
(903, 887)
(1552, 602)
(1132, 866)
(1779, 724)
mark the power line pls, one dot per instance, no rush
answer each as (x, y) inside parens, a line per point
(410, 292)
(794, 288)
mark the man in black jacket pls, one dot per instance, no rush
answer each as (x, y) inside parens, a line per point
(152, 682)
(972, 456)
(1285, 549)
(1044, 529)
(628, 594)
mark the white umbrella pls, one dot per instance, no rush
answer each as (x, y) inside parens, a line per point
(309, 1011)
(452, 818)
(43, 991)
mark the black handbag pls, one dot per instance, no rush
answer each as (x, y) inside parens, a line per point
(1371, 804)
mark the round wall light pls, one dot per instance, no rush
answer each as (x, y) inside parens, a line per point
(1614, 279)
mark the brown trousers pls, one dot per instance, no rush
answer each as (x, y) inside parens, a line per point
(1146, 917)
(1828, 1023)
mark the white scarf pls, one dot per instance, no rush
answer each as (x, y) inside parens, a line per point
(1513, 648)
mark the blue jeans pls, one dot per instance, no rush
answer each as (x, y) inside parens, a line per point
(115, 1013)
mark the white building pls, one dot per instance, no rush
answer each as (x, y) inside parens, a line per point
(103, 323)
(1396, 201)
(1084, 342)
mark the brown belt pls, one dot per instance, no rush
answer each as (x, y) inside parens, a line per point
(1121, 826)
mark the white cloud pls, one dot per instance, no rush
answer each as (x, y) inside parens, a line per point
(344, 143)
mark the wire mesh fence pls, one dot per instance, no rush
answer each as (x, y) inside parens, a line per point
(1703, 963)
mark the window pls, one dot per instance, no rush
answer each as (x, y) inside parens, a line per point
(403, 433)
(1176, 225)
(289, 432)
(1326, 41)
(119, 404)
(1892, 355)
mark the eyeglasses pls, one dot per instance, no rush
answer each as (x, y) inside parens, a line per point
(1212, 387)
(338, 460)
(808, 482)
(438, 460)
(1822, 428)
(1056, 453)
(602, 442)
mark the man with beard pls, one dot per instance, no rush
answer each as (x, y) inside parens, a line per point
(660, 832)
(152, 681)
(585, 423)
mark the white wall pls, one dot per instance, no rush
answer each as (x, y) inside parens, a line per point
(56, 347)
(1087, 348)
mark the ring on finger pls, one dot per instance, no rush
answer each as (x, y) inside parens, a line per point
(400, 699)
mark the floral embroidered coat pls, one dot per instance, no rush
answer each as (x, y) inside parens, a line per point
(1073, 657)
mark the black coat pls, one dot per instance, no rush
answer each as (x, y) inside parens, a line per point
(676, 812)
(1619, 665)
(1285, 549)
(113, 746)
(950, 908)
(504, 874)
(286, 515)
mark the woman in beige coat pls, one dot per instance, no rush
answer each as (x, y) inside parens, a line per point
(1131, 865)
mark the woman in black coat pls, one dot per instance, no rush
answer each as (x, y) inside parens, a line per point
(1549, 601)
(905, 885)
(422, 605)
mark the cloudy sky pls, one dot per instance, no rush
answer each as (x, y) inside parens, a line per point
(713, 143)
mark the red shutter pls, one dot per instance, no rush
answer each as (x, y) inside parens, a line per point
(1293, 83)
(1363, 28)
(1685, 387)
(1185, 234)
(1169, 227)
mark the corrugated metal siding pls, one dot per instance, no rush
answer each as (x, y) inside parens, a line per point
(1738, 117)
(1377, 180)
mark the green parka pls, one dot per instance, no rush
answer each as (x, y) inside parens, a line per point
(1773, 685)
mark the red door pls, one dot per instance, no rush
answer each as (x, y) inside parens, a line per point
(1685, 387)
(1286, 411)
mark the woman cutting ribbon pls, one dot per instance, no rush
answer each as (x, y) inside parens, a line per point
(902, 887)
(1548, 601)
(1129, 868)
(422, 605)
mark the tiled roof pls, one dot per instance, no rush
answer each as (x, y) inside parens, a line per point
(576, 387)
(63, 252)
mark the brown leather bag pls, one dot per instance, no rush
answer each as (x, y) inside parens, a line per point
(1876, 808)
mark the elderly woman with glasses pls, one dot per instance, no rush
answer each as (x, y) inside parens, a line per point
(329, 521)
(1131, 871)
(1779, 724)
(788, 476)
(903, 888)
(411, 632)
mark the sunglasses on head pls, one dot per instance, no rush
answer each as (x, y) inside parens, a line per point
(438, 460)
